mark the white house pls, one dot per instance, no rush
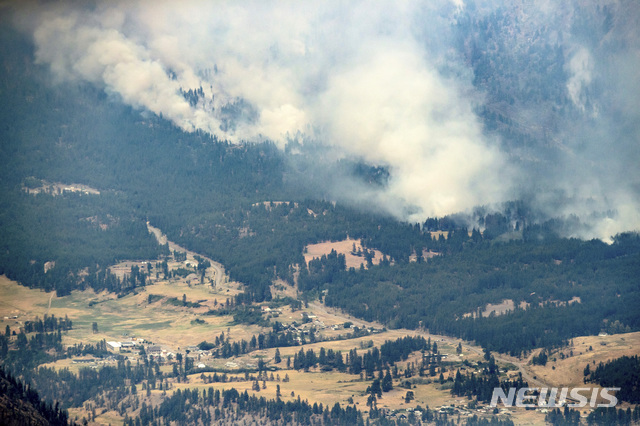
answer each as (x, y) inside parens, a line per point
(114, 346)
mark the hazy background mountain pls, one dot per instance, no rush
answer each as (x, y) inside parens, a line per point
(462, 103)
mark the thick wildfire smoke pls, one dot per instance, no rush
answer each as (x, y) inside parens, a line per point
(385, 82)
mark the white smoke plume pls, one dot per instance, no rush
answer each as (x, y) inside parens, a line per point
(352, 75)
(580, 68)
(377, 81)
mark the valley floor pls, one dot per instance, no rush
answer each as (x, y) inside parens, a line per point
(171, 316)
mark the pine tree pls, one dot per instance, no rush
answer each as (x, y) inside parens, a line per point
(387, 382)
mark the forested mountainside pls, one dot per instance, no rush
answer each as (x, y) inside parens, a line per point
(209, 195)
(20, 405)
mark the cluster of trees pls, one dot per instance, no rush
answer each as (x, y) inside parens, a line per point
(189, 406)
(610, 416)
(101, 279)
(565, 417)
(110, 382)
(623, 372)
(321, 271)
(614, 416)
(208, 378)
(49, 323)
(192, 96)
(482, 386)
(4, 345)
(540, 359)
(493, 64)
(327, 360)
(482, 421)
(39, 341)
(181, 302)
(30, 351)
(373, 360)
(392, 351)
(99, 349)
(224, 348)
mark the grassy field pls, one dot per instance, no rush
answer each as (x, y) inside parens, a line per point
(585, 350)
(129, 316)
(341, 247)
(19, 303)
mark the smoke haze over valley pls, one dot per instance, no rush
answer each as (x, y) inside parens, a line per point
(462, 103)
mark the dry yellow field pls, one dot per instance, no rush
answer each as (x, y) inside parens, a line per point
(122, 318)
(341, 247)
(20, 301)
(569, 371)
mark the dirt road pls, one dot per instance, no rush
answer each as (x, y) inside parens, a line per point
(215, 272)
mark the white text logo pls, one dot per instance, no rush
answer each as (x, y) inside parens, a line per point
(554, 397)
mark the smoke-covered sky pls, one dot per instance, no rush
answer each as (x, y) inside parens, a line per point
(394, 84)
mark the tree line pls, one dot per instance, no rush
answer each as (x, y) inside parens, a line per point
(623, 372)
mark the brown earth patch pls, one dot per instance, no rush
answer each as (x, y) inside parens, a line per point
(342, 247)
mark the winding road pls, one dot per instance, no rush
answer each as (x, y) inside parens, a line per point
(215, 272)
